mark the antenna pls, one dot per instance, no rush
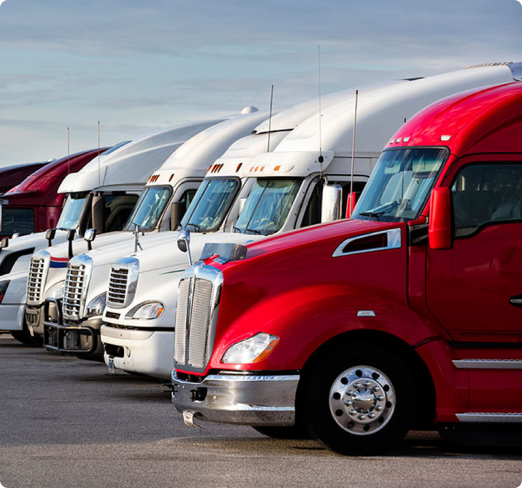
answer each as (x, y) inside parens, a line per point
(270, 118)
(99, 178)
(353, 139)
(68, 151)
(321, 159)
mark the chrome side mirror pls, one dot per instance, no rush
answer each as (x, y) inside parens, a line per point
(50, 236)
(89, 236)
(332, 202)
(184, 243)
(242, 202)
(4, 243)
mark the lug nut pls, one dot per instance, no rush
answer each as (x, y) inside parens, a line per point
(362, 417)
(375, 388)
(378, 408)
(380, 398)
(371, 415)
(367, 383)
(348, 403)
(353, 412)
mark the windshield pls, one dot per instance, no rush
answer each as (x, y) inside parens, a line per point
(72, 210)
(210, 205)
(149, 209)
(267, 206)
(400, 184)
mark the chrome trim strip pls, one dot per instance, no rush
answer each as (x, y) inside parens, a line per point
(394, 242)
(488, 417)
(488, 363)
(240, 378)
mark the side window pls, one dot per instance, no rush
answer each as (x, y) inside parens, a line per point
(117, 211)
(485, 193)
(20, 220)
(188, 196)
(312, 214)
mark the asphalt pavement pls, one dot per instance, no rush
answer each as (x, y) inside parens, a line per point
(66, 422)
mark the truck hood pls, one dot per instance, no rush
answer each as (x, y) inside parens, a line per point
(322, 236)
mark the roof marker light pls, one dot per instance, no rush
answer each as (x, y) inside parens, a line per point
(399, 139)
(392, 141)
(405, 139)
(239, 167)
(171, 176)
(277, 168)
(445, 138)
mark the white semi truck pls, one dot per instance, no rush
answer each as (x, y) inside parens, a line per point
(286, 189)
(72, 328)
(102, 195)
(71, 320)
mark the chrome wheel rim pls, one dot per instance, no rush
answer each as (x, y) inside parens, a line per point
(362, 400)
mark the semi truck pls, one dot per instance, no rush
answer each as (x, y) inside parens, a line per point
(101, 195)
(10, 176)
(72, 318)
(34, 205)
(408, 315)
(284, 189)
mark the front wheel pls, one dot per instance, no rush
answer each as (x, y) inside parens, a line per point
(359, 399)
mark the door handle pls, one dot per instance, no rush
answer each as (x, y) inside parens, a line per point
(516, 301)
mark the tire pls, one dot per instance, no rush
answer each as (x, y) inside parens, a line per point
(23, 336)
(358, 399)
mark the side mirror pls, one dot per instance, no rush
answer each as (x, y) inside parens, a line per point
(332, 201)
(70, 237)
(98, 213)
(242, 202)
(177, 211)
(439, 233)
(49, 235)
(350, 204)
(184, 243)
(89, 236)
(4, 243)
(2, 203)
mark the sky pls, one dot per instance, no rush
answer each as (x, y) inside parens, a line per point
(140, 65)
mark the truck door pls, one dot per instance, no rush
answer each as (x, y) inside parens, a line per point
(475, 288)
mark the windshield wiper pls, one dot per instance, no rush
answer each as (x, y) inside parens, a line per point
(372, 215)
(237, 229)
(197, 228)
(377, 212)
(255, 231)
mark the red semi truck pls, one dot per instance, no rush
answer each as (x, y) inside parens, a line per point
(406, 316)
(34, 205)
(10, 176)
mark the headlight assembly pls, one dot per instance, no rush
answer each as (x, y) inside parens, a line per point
(251, 350)
(96, 306)
(147, 311)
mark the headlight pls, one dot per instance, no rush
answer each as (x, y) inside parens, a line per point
(96, 306)
(3, 289)
(147, 311)
(251, 350)
(56, 291)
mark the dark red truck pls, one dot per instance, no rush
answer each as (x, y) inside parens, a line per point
(34, 205)
(406, 316)
(10, 176)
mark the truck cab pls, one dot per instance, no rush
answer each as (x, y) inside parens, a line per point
(406, 316)
(284, 189)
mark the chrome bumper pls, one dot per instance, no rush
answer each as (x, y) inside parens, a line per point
(238, 399)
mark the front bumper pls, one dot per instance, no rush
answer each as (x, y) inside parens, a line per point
(81, 340)
(257, 400)
(12, 316)
(139, 351)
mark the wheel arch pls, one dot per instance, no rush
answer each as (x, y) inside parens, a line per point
(426, 393)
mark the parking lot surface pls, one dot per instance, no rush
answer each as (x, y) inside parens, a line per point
(66, 422)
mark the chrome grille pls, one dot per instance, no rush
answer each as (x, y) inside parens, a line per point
(198, 300)
(123, 281)
(37, 277)
(72, 296)
(199, 323)
(117, 286)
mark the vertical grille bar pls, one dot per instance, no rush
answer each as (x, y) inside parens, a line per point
(199, 323)
(72, 297)
(180, 334)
